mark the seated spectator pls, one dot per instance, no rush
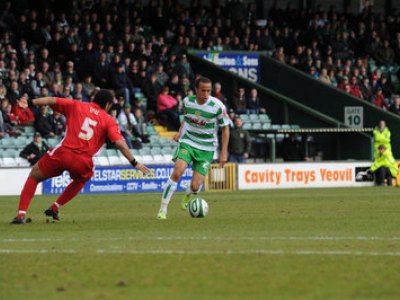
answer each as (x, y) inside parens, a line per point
(395, 107)
(366, 89)
(80, 94)
(379, 100)
(24, 114)
(240, 101)
(10, 120)
(88, 85)
(35, 150)
(141, 125)
(167, 107)
(253, 103)
(384, 167)
(59, 124)
(385, 54)
(128, 126)
(44, 123)
(217, 93)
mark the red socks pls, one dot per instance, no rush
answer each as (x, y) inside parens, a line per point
(70, 192)
(26, 195)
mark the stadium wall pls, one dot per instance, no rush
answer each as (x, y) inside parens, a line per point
(328, 100)
(13, 180)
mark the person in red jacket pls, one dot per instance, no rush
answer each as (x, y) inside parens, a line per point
(24, 114)
(167, 107)
(88, 125)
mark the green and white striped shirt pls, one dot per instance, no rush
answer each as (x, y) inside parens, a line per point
(201, 122)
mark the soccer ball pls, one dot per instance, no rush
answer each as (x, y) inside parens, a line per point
(198, 208)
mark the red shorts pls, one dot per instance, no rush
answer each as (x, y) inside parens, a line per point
(56, 161)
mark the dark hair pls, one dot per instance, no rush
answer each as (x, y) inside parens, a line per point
(103, 97)
(202, 79)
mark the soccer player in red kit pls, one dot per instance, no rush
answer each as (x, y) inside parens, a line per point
(88, 126)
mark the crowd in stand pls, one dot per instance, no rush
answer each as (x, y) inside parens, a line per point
(72, 50)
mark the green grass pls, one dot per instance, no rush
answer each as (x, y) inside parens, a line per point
(277, 244)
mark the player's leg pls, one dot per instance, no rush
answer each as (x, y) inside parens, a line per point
(193, 189)
(201, 164)
(170, 187)
(80, 169)
(70, 192)
(35, 176)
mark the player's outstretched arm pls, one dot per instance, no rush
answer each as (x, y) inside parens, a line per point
(23, 101)
(223, 155)
(123, 147)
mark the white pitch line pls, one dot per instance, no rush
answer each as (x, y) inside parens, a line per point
(204, 252)
(205, 238)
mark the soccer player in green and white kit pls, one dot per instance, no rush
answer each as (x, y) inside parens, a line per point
(198, 139)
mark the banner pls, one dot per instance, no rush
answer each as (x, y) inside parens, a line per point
(242, 64)
(303, 175)
(121, 180)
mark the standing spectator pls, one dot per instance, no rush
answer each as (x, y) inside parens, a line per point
(382, 136)
(35, 150)
(239, 142)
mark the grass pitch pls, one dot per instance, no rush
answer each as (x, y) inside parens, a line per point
(276, 244)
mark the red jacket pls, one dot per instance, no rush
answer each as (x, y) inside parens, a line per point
(25, 116)
(165, 102)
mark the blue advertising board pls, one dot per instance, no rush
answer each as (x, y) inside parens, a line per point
(242, 64)
(107, 180)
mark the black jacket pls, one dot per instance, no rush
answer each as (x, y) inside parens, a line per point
(32, 148)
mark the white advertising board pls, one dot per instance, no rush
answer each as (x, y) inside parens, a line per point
(303, 175)
(13, 180)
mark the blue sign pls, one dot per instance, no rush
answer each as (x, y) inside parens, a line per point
(107, 180)
(242, 64)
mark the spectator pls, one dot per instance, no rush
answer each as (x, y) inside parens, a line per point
(239, 142)
(384, 166)
(59, 123)
(128, 126)
(293, 148)
(121, 82)
(253, 103)
(101, 71)
(167, 110)
(44, 123)
(217, 93)
(24, 115)
(35, 150)
(382, 136)
(385, 55)
(395, 107)
(240, 101)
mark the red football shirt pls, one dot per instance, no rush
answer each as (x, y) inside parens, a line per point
(88, 126)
